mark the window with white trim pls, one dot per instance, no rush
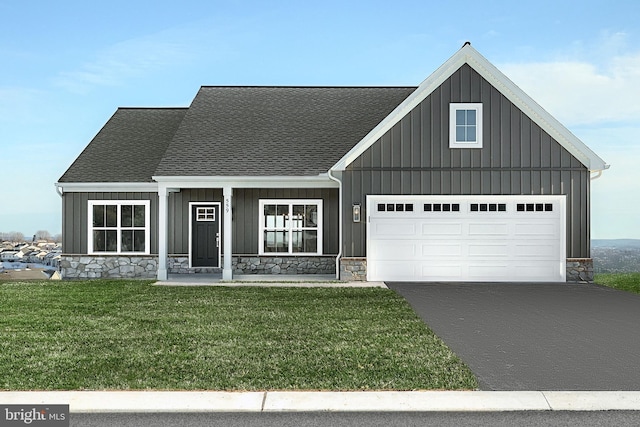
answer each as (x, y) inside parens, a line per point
(290, 227)
(465, 125)
(118, 227)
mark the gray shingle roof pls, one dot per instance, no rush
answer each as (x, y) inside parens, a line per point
(274, 131)
(236, 131)
(128, 147)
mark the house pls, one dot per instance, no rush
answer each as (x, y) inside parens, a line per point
(462, 178)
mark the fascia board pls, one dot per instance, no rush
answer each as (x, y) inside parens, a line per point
(468, 55)
(69, 187)
(320, 181)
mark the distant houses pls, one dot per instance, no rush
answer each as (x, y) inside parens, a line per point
(39, 252)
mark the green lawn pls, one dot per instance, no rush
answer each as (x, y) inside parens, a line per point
(100, 335)
(623, 281)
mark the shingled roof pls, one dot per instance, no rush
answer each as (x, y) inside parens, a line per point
(274, 131)
(128, 147)
(236, 131)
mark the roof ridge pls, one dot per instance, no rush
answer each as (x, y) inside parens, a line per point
(307, 87)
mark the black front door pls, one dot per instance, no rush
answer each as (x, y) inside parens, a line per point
(205, 235)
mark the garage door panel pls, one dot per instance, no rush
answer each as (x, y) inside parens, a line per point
(489, 251)
(439, 249)
(488, 270)
(393, 229)
(488, 229)
(540, 270)
(401, 270)
(397, 250)
(466, 238)
(536, 228)
(441, 228)
(536, 250)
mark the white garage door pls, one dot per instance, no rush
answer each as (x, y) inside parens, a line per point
(466, 238)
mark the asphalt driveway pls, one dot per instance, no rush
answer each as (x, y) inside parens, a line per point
(518, 336)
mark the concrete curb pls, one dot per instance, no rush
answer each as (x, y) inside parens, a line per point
(314, 401)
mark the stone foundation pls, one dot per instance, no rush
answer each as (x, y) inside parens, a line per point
(179, 264)
(146, 267)
(283, 265)
(353, 269)
(580, 270)
(106, 267)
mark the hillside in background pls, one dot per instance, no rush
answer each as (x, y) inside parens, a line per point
(616, 255)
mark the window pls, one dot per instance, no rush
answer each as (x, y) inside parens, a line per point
(465, 125)
(118, 226)
(290, 227)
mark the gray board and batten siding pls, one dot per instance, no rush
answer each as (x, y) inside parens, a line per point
(517, 158)
(245, 211)
(75, 217)
(245, 205)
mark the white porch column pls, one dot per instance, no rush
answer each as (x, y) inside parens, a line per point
(163, 225)
(227, 237)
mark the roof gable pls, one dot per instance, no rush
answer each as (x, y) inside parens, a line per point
(468, 55)
(274, 131)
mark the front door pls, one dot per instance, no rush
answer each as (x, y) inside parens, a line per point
(205, 235)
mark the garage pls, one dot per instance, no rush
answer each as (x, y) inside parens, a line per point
(466, 238)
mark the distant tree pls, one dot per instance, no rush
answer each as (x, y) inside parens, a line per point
(12, 236)
(57, 238)
(43, 235)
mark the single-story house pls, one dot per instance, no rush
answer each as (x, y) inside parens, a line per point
(462, 178)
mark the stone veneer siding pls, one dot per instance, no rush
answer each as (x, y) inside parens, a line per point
(580, 270)
(103, 267)
(283, 265)
(145, 267)
(353, 269)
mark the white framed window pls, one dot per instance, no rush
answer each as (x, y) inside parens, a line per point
(118, 227)
(291, 227)
(465, 125)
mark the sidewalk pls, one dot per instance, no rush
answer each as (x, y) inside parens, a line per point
(314, 401)
(279, 280)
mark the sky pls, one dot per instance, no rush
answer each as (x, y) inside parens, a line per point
(66, 66)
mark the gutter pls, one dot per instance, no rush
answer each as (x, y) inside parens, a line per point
(59, 189)
(336, 179)
(598, 173)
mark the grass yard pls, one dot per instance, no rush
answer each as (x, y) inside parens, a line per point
(623, 281)
(101, 335)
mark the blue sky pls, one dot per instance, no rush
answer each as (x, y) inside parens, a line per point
(67, 66)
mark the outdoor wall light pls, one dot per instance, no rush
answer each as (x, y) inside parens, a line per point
(356, 212)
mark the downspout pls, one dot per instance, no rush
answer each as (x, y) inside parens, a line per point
(59, 189)
(336, 179)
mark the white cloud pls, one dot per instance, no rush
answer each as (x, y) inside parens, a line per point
(116, 64)
(583, 93)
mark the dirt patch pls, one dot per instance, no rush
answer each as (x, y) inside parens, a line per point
(24, 274)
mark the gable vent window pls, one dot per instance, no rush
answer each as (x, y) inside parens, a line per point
(465, 125)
